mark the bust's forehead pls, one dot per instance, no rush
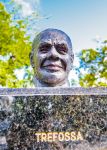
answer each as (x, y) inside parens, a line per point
(54, 35)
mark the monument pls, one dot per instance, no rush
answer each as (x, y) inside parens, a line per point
(51, 58)
(53, 118)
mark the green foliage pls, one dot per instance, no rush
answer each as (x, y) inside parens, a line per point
(16, 45)
(93, 66)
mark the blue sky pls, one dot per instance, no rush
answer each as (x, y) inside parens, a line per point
(82, 20)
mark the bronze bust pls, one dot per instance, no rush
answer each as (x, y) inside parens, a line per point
(51, 58)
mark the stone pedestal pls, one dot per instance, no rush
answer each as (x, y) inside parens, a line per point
(25, 112)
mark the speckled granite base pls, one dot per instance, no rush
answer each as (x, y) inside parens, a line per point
(53, 91)
(22, 116)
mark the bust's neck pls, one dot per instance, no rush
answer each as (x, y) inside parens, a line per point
(37, 83)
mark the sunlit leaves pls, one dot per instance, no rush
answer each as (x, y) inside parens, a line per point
(93, 66)
(15, 44)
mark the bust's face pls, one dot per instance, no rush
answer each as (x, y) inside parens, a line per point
(52, 57)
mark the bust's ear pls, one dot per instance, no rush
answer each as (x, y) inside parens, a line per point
(72, 59)
(31, 59)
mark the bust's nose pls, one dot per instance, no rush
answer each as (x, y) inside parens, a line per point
(53, 54)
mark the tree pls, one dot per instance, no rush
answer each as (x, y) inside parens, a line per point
(93, 66)
(15, 47)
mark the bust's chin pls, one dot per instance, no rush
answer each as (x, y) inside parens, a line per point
(51, 79)
(39, 83)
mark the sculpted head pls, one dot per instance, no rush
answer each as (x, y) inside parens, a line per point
(52, 58)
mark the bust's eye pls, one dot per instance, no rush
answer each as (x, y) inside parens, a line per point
(44, 48)
(62, 48)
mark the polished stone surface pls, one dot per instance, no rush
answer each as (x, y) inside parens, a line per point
(53, 91)
(23, 112)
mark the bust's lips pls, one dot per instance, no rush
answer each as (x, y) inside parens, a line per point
(53, 67)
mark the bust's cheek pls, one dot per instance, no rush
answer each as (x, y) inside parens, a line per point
(67, 59)
(41, 58)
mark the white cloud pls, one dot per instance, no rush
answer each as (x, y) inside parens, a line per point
(36, 1)
(28, 7)
(19, 73)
